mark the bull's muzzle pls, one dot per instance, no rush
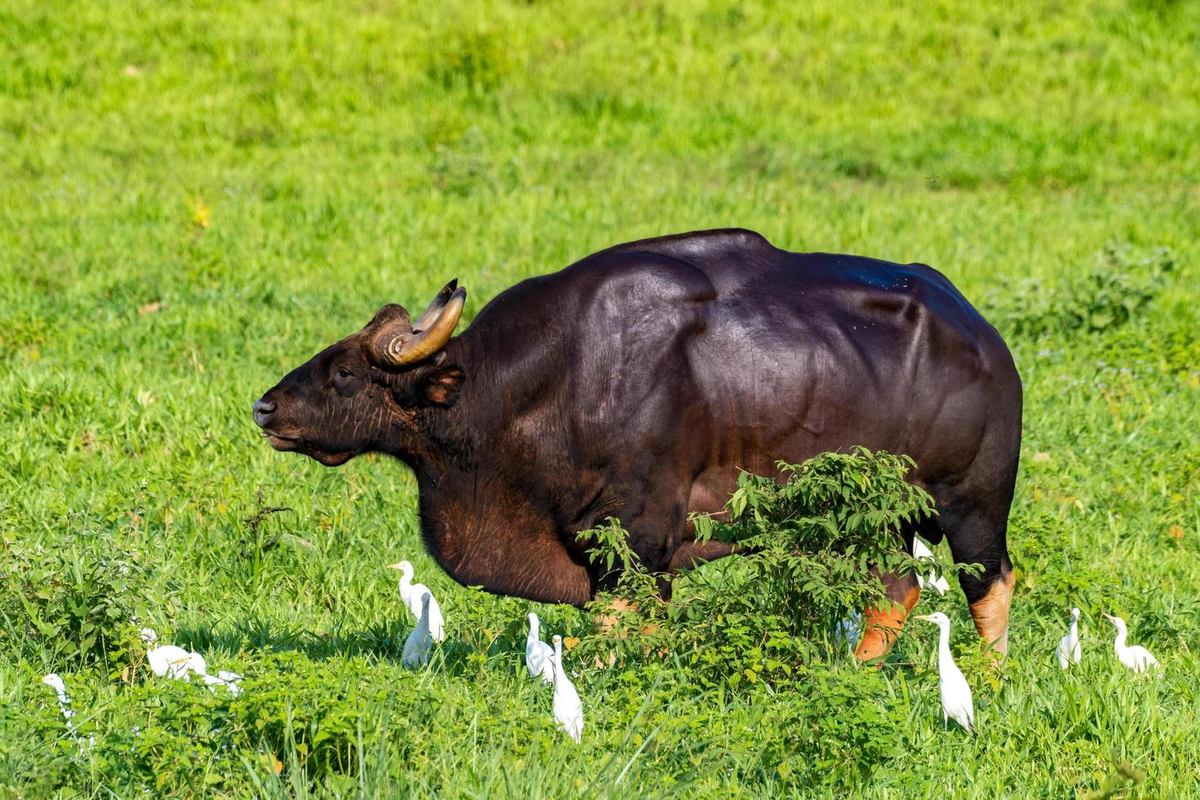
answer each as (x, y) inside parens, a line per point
(264, 411)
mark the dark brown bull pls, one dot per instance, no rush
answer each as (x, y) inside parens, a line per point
(638, 382)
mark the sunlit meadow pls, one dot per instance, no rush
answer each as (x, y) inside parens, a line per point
(196, 198)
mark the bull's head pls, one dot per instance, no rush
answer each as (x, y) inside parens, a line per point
(362, 393)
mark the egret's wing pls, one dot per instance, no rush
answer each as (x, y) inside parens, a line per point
(568, 710)
(963, 713)
(413, 599)
(412, 649)
(956, 698)
(437, 623)
(158, 662)
(537, 660)
(532, 659)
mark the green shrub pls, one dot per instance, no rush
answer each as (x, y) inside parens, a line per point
(840, 733)
(186, 732)
(1125, 280)
(66, 609)
(813, 545)
(760, 621)
(315, 717)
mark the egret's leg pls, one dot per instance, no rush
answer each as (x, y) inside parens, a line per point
(883, 624)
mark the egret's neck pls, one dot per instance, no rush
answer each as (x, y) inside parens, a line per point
(1074, 629)
(944, 643)
(534, 632)
(1119, 642)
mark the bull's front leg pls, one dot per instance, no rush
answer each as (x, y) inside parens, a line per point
(515, 551)
(883, 623)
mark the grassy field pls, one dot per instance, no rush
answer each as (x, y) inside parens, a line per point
(193, 200)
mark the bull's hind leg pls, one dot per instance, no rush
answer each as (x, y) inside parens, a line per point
(990, 611)
(882, 624)
(979, 538)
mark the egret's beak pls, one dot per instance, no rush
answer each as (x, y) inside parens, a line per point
(925, 617)
(393, 566)
(1108, 617)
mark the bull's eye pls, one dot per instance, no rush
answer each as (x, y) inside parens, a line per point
(345, 381)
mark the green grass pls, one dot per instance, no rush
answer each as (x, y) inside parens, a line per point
(346, 155)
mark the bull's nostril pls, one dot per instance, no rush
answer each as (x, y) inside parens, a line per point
(263, 412)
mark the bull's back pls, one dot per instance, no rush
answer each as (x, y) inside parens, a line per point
(787, 354)
(803, 353)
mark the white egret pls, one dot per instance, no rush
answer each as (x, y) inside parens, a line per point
(1134, 657)
(223, 678)
(416, 647)
(170, 659)
(568, 708)
(161, 658)
(957, 703)
(175, 662)
(64, 705)
(411, 594)
(538, 654)
(1068, 646)
(56, 683)
(935, 581)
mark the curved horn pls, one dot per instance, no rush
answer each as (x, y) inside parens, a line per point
(409, 348)
(439, 302)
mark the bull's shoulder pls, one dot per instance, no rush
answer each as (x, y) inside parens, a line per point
(626, 281)
(700, 246)
(626, 302)
(631, 276)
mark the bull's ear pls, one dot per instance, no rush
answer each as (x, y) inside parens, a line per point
(441, 384)
(435, 385)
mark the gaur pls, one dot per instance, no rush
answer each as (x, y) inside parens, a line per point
(638, 382)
